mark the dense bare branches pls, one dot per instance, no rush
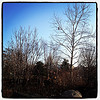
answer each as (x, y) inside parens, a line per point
(25, 48)
(50, 52)
(88, 57)
(88, 60)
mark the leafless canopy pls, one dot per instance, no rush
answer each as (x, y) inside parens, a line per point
(23, 50)
(88, 57)
(73, 32)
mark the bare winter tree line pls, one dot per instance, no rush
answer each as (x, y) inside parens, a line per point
(25, 50)
(27, 55)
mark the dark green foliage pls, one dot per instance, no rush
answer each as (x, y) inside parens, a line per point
(40, 69)
(65, 65)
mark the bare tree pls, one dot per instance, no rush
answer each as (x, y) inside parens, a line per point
(23, 49)
(73, 33)
(54, 52)
(45, 50)
(88, 56)
(51, 57)
(35, 48)
(50, 51)
(88, 61)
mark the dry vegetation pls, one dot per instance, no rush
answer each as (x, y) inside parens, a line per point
(33, 67)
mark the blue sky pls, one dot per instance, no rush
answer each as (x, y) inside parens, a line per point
(37, 15)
